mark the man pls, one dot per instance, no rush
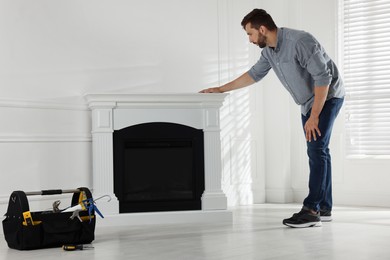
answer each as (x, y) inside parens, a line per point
(313, 80)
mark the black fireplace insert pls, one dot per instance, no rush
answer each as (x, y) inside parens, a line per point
(158, 167)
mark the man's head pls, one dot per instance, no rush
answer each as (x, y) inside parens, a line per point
(257, 25)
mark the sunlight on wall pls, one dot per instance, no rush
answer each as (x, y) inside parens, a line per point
(239, 148)
(238, 116)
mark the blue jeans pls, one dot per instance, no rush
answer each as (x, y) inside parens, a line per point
(320, 179)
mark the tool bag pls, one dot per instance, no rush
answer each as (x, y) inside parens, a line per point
(25, 230)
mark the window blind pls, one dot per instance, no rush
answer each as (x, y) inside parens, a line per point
(366, 67)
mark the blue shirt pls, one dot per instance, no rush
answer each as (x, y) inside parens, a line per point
(300, 63)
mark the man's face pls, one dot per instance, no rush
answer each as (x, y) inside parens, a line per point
(256, 36)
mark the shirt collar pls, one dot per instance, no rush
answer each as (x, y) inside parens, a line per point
(280, 39)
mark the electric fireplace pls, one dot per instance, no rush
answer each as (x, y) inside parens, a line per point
(159, 158)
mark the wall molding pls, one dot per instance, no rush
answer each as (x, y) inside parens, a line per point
(4, 200)
(40, 104)
(47, 138)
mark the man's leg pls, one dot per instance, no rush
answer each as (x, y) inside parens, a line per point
(320, 179)
(327, 201)
(317, 152)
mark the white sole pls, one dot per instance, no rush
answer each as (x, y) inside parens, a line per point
(309, 224)
(326, 219)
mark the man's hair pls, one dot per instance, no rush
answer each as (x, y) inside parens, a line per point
(257, 18)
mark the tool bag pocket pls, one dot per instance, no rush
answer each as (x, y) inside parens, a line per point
(25, 230)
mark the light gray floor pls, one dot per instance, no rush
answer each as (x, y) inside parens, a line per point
(257, 233)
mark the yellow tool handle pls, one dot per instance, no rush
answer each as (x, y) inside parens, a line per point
(27, 219)
(72, 247)
(75, 247)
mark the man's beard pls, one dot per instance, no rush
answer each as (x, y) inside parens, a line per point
(261, 41)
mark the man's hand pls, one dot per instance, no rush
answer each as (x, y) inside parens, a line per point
(242, 81)
(211, 90)
(311, 128)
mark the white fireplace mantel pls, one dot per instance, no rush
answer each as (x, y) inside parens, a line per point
(112, 112)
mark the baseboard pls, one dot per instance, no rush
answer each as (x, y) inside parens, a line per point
(351, 198)
(279, 196)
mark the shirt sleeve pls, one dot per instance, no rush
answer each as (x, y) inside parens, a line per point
(311, 56)
(260, 69)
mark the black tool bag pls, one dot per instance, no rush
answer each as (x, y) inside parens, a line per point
(25, 230)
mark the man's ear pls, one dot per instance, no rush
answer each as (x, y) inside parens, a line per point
(262, 29)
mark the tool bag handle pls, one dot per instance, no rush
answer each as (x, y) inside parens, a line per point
(17, 204)
(78, 197)
(51, 192)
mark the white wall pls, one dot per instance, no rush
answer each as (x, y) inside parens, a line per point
(55, 51)
(62, 49)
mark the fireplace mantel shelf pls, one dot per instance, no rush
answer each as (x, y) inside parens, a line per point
(112, 112)
(185, 100)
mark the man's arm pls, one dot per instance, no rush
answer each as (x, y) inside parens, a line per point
(243, 81)
(311, 126)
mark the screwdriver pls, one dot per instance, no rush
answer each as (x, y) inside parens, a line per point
(75, 247)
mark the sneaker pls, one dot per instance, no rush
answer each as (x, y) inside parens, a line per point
(325, 215)
(302, 219)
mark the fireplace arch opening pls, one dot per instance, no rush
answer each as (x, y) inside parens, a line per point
(158, 166)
